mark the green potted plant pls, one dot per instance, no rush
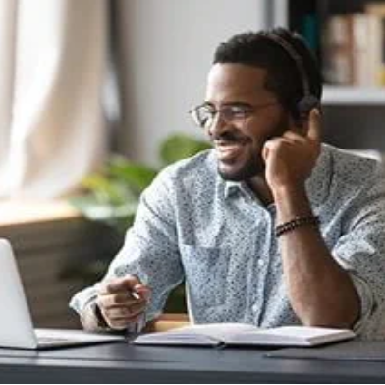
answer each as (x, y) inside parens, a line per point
(111, 197)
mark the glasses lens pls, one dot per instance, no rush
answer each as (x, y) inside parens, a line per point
(234, 113)
(202, 116)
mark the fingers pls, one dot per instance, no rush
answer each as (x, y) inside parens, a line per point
(122, 301)
(127, 313)
(122, 292)
(121, 317)
(126, 289)
(277, 143)
(116, 300)
(143, 292)
(121, 323)
(119, 285)
(293, 136)
(309, 130)
(314, 126)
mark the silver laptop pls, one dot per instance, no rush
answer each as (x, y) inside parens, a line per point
(16, 329)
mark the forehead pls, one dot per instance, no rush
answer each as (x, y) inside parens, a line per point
(236, 82)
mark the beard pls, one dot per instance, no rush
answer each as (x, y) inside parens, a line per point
(253, 166)
(249, 162)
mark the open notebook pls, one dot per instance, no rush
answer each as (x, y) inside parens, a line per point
(216, 334)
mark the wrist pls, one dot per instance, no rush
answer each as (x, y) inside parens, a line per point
(291, 202)
(293, 224)
(292, 191)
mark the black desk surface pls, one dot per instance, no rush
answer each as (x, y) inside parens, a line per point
(123, 363)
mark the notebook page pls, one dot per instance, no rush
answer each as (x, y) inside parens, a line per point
(219, 331)
(295, 335)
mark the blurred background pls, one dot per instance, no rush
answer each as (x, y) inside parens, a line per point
(95, 98)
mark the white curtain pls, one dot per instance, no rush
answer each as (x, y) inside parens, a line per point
(52, 67)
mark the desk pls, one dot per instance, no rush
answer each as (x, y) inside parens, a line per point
(123, 363)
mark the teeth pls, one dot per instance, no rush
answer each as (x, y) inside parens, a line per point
(227, 152)
(228, 145)
(228, 148)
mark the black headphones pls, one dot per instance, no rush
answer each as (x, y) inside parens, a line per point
(308, 101)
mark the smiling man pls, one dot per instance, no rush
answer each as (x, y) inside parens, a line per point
(271, 227)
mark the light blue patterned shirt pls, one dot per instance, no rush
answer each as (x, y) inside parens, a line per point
(216, 234)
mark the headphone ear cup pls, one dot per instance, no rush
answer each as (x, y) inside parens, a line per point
(307, 103)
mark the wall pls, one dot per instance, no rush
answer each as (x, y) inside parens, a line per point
(166, 54)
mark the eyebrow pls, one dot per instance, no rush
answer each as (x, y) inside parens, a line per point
(230, 104)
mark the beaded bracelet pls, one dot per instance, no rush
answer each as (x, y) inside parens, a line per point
(293, 224)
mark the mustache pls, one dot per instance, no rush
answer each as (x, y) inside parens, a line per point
(229, 137)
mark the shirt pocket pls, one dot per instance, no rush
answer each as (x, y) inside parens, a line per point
(206, 271)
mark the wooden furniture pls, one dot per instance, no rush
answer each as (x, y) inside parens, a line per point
(167, 322)
(51, 240)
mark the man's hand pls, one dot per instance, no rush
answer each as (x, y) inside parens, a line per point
(122, 300)
(290, 159)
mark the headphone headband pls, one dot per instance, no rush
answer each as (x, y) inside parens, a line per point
(308, 101)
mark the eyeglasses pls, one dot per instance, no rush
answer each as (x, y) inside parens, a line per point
(204, 115)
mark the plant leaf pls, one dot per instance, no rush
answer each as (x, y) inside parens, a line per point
(180, 146)
(98, 211)
(137, 176)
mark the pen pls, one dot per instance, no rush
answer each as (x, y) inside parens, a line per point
(137, 327)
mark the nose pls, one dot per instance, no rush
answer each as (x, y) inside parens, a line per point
(218, 126)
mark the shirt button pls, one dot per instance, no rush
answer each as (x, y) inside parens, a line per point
(260, 262)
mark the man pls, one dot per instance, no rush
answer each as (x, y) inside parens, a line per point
(270, 227)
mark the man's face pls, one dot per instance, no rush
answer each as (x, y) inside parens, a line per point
(239, 142)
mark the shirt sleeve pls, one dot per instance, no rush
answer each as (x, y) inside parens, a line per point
(361, 251)
(150, 250)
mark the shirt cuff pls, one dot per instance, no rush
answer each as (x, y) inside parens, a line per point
(365, 295)
(80, 300)
(367, 303)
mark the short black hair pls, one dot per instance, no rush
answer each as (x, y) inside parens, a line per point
(259, 49)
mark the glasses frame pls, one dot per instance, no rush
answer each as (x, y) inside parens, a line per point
(248, 110)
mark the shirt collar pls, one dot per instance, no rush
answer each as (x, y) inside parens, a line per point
(317, 185)
(231, 187)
